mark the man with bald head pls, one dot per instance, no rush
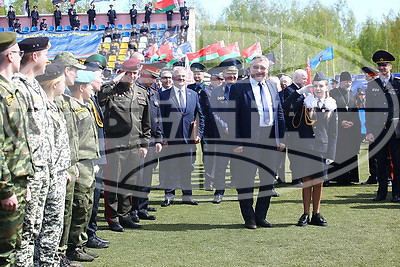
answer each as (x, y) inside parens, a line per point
(299, 81)
(138, 56)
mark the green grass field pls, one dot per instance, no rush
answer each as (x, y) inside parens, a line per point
(360, 232)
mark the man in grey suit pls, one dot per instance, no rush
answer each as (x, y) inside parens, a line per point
(259, 129)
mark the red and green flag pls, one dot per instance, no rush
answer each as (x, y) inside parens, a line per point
(165, 52)
(211, 51)
(194, 56)
(152, 53)
(229, 51)
(165, 5)
(251, 52)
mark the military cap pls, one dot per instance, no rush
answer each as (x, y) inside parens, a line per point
(7, 39)
(152, 69)
(382, 57)
(52, 71)
(34, 44)
(111, 5)
(131, 64)
(369, 71)
(319, 76)
(198, 67)
(334, 81)
(57, 6)
(85, 76)
(217, 72)
(243, 73)
(69, 60)
(345, 76)
(231, 62)
(97, 58)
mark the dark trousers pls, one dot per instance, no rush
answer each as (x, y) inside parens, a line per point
(251, 159)
(392, 147)
(176, 166)
(58, 22)
(141, 201)
(91, 22)
(10, 23)
(34, 22)
(133, 20)
(147, 18)
(92, 226)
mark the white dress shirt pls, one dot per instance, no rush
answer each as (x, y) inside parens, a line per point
(257, 96)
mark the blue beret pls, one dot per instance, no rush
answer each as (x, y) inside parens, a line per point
(85, 76)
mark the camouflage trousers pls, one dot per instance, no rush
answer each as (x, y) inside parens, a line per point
(82, 204)
(39, 187)
(69, 198)
(11, 226)
(46, 244)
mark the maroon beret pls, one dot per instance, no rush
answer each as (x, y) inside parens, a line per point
(131, 64)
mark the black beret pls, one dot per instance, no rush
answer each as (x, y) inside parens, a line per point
(34, 44)
(198, 67)
(52, 71)
(382, 57)
(345, 76)
(7, 39)
(319, 76)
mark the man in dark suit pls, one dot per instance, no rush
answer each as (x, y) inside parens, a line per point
(91, 15)
(11, 16)
(349, 133)
(35, 16)
(259, 128)
(112, 16)
(133, 14)
(183, 124)
(382, 123)
(57, 16)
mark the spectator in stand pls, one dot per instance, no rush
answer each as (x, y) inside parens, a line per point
(148, 9)
(43, 25)
(107, 32)
(133, 14)
(72, 15)
(57, 16)
(170, 14)
(17, 26)
(77, 23)
(144, 29)
(112, 16)
(91, 15)
(11, 16)
(132, 46)
(35, 16)
(116, 35)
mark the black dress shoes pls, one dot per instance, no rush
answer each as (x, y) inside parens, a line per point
(189, 201)
(146, 216)
(116, 227)
(304, 220)
(369, 182)
(101, 239)
(318, 220)
(94, 243)
(250, 224)
(130, 224)
(217, 199)
(379, 198)
(151, 209)
(134, 216)
(396, 199)
(263, 223)
(166, 202)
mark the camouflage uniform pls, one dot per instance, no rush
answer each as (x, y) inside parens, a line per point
(64, 104)
(84, 186)
(16, 166)
(39, 143)
(47, 242)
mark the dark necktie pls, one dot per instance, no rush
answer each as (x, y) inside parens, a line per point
(264, 104)
(226, 93)
(181, 101)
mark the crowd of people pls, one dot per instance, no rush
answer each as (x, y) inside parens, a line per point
(67, 134)
(75, 22)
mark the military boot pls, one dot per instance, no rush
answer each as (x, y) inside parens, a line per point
(78, 254)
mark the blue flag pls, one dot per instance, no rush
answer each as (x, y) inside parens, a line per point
(327, 54)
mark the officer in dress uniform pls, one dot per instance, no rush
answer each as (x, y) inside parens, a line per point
(11, 16)
(133, 14)
(14, 152)
(35, 16)
(112, 16)
(382, 123)
(57, 16)
(198, 70)
(72, 15)
(91, 15)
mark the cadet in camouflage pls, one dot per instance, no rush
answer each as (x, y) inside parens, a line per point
(15, 157)
(33, 64)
